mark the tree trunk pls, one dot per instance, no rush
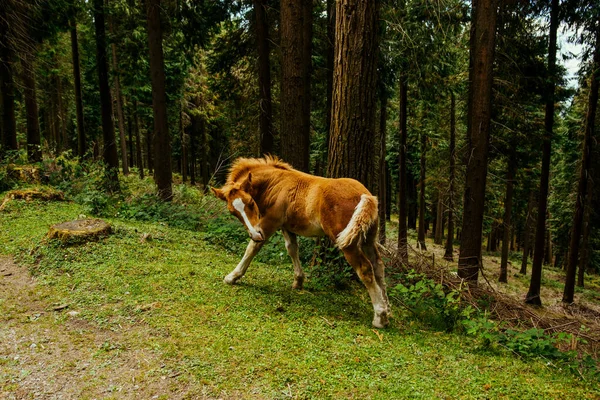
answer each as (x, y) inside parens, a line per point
(584, 259)
(109, 149)
(294, 91)
(412, 199)
(483, 34)
(382, 167)
(548, 245)
(265, 119)
(138, 142)
(439, 226)
(330, 60)
(34, 150)
(510, 176)
(493, 237)
(354, 92)
(449, 254)
(533, 295)
(421, 233)
(402, 175)
(184, 148)
(307, 33)
(586, 160)
(62, 113)
(119, 97)
(131, 157)
(527, 233)
(192, 151)
(204, 155)
(81, 139)
(7, 90)
(162, 141)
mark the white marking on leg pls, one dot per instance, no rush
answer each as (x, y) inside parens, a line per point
(239, 205)
(240, 269)
(291, 245)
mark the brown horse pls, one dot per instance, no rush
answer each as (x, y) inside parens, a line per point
(267, 194)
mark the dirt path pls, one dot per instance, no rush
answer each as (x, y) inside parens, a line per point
(47, 352)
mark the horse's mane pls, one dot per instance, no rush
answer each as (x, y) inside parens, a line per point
(242, 166)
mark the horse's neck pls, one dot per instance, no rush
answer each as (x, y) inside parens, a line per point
(269, 183)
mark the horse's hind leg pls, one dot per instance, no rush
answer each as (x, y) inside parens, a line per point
(378, 268)
(365, 271)
(240, 270)
(291, 244)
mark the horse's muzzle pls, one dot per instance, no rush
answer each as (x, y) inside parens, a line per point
(258, 236)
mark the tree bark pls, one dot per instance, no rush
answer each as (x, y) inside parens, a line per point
(483, 34)
(34, 149)
(81, 139)
(439, 226)
(109, 149)
(7, 90)
(527, 233)
(354, 92)
(449, 254)
(265, 119)
(163, 175)
(569, 292)
(330, 60)
(138, 142)
(412, 199)
(402, 175)
(184, 147)
(294, 91)
(584, 258)
(421, 232)
(119, 98)
(62, 114)
(510, 176)
(382, 167)
(533, 295)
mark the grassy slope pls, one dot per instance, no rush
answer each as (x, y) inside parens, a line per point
(259, 339)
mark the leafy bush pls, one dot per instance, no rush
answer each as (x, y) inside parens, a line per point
(330, 268)
(430, 302)
(533, 343)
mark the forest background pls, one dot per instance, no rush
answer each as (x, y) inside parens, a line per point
(457, 114)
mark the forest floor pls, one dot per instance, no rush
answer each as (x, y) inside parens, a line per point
(144, 314)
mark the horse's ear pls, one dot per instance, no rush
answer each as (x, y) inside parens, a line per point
(247, 185)
(219, 193)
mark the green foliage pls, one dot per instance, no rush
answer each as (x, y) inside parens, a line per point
(533, 343)
(430, 301)
(329, 268)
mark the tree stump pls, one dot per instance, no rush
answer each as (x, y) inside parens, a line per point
(25, 173)
(79, 230)
(30, 194)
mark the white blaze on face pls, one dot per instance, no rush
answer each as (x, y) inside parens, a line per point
(239, 205)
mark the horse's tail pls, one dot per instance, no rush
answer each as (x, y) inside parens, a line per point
(365, 217)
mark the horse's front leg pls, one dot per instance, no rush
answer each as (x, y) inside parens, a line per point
(291, 244)
(240, 270)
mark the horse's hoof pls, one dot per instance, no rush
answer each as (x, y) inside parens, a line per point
(380, 321)
(230, 280)
(298, 285)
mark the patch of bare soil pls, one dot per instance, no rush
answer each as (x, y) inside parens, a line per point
(47, 352)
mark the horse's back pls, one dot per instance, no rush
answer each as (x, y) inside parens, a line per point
(339, 200)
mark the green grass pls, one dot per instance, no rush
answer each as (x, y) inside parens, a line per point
(259, 339)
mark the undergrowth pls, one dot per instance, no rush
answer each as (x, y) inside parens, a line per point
(443, 309)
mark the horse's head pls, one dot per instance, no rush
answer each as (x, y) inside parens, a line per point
(241, 204)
